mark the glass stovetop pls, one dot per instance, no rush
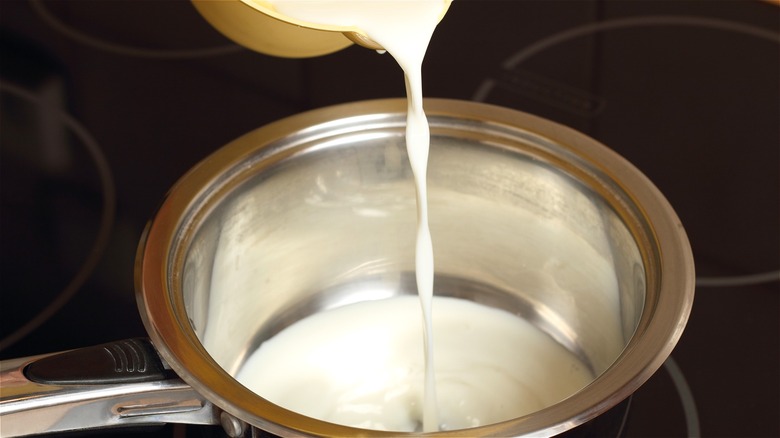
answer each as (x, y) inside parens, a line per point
(688, 91)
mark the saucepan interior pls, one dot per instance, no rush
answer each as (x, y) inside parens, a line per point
(318, 211)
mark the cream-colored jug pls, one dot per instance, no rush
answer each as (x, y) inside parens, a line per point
(255, 24)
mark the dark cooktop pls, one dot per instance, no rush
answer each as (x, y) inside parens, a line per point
(688, 91)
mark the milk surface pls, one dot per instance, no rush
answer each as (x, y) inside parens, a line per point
(360, 365)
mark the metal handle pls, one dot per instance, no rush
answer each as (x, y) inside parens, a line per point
(122, 383)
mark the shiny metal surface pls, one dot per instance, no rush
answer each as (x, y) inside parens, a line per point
(30, 408)
(317, 211)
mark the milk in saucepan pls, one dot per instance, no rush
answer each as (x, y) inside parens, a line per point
(360, 365)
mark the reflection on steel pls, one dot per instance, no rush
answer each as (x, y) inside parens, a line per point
(33, 408)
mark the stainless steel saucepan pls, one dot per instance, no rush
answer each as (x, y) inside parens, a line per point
(317, 211)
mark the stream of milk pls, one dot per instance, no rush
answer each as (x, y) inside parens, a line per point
(404, 29)
(360, 365)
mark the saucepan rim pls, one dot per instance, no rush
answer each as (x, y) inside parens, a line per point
(659, 234)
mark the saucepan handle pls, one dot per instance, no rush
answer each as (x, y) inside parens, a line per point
(119, 384)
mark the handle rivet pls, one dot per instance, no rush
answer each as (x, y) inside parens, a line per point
(233, 427)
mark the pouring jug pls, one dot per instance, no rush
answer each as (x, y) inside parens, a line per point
(257, 25)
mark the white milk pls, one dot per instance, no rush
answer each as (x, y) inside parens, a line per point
(360, 365)
(403, 28)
